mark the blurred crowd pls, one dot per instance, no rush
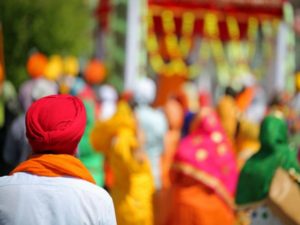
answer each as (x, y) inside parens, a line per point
(196, 159)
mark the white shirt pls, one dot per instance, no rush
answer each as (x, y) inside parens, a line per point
(36, 200)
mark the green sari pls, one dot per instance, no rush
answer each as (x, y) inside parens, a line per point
(90, 158)
(256, 176)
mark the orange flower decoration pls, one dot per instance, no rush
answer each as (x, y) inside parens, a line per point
(36, 65)
(95, 72)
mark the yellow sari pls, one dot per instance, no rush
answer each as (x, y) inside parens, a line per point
(133, 186)
(242, 133)
(228, 113)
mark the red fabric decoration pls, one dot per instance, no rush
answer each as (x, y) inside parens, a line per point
(204, 99)
(127, 96)
(36, 65)
(55, 124)
(102, 13)
(95, 72)
(240, 9)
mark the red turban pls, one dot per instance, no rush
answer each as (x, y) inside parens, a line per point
(55, 124)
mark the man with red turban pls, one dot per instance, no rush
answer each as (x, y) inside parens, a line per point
(52, 186)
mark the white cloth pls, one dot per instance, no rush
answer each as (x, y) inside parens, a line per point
(108, 97)
(144, 90)
(154, 124)
(43, 87)
(107, 93)
(35, 200)
(108, 109)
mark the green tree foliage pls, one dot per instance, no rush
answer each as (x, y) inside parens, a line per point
(116, 41)
(50, 26)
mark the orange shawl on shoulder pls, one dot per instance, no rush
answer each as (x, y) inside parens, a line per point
(55, 165)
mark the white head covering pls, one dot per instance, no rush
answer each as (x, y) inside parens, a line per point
(258, 107)
(107, 93)
(144, 91)
(244, 80)
(108, 96)
(43, 87)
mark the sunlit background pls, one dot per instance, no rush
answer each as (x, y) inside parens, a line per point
(184, 84)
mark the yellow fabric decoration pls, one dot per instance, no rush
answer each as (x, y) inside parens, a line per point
(133, 186)
(71, 66)
(54, 68)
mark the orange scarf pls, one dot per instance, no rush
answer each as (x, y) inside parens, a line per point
(243, 100)
(52, 165)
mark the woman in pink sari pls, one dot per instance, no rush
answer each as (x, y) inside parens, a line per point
(204, 175)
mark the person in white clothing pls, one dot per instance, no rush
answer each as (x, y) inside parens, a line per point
(52, 186)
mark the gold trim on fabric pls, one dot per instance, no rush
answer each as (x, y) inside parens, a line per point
(217, 137)
(208, 180)
(201, 155)
(252, 205)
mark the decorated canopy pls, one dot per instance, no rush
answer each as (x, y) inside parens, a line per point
(222, 38)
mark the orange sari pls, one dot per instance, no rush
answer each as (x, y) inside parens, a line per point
(203, 175)
(193, 203)
(175, 114)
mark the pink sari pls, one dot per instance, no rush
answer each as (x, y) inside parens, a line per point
(207, 155)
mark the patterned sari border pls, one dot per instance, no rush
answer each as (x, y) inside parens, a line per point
(208, 180)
